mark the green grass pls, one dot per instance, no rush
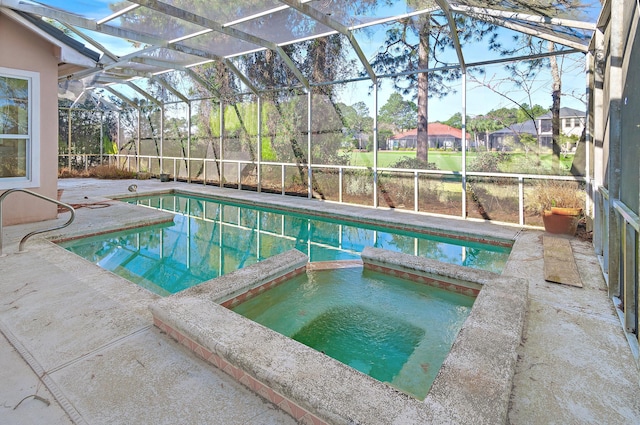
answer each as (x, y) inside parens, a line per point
(452, 161)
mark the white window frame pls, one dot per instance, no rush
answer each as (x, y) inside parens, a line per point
(32, 178)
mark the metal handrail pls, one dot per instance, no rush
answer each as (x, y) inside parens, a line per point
(37, 195)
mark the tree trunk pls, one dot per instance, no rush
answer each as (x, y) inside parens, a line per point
(555, 110)
(422, 148)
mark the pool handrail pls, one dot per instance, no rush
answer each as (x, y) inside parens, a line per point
(35, 232)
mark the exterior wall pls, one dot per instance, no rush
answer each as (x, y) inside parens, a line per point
(435, 141)
(569, 126)
(615, 108)
(22, 49)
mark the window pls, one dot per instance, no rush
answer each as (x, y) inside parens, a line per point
(568, 122)
(545, 126)
(19, 128)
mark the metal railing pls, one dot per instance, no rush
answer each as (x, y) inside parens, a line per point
(213, 171)
(35, 232)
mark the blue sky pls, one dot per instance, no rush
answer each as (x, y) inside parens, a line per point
(479, 100)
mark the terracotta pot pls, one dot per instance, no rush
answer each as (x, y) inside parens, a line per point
(566, 211)
(565, 224)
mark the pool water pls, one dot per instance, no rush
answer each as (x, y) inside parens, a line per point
(394, 330)
(209, 238)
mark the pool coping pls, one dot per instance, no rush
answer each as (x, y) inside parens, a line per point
(472, 386)
(367, 215)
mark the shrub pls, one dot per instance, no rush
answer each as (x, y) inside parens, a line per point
(413, 163)
(554, 193)
(488, 162)
(99, 172)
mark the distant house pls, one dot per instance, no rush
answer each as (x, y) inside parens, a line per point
(440, 136)
(572, 123)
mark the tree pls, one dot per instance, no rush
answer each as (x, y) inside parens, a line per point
(88, 122)
(526, 113)
(399, 113)
(493, 120)
(358, 123)
(416, 44)
(455, 120)
(523, 75)
(556, 91)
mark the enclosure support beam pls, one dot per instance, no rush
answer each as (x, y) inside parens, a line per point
(91, 41)
(598, 141)
(259, 144)
(69, 136)
(204, 22)
(241, 76)
(202, 82)
(121, 97)
(375, 145)
(101, 136)
(588, 125)
(629, 278)
(309, 157)
(537, 19)
(616, 53)
(188, 144)
(444, 5)
(138, 140)
(315, 14)
(573, 42)
(119, 130)
(222, 164)
(67, 19)
(143, 93)
(170, 89)
(161, 159)
(464, 144)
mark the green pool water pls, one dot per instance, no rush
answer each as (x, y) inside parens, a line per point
(209, 238)
(394, 330)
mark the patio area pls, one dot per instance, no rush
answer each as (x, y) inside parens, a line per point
(79, 345)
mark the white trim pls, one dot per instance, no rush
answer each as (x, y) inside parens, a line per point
(33, 137)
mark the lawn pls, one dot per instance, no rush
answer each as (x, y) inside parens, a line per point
(452, 161)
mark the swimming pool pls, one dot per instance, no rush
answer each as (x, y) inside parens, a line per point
(394, 330)
(211, 237)
(472, 386)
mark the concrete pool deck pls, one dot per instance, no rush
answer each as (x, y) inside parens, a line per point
(93, 355)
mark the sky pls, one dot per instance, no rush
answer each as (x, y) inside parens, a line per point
(479, 100)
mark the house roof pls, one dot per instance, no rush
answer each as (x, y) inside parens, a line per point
(434, 129)
(565, 113)
(61, 36)
(72, 52)
(518, 128)
(530, 127)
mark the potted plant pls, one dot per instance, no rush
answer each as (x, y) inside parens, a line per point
(559, 203)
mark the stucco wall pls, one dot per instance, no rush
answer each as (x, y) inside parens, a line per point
(22, 49)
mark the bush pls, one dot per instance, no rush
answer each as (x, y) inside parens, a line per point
(489, 162)
(99, 172)
(414, 163)
(554, 193)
